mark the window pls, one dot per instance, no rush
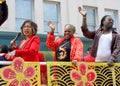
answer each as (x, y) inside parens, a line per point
(23, 12)
(91, 17)
(114, 15)
(51, 13)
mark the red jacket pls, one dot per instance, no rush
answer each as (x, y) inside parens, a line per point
(30, 51)
(76, 52)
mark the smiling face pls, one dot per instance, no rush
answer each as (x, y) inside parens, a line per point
(27, 30)
(69, 31)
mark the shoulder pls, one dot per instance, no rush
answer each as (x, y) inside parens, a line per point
(115, 36)
(35, 38)
(99, 30)
(59, 40)
(76, 40)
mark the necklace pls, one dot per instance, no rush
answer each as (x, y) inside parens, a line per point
(64, 44)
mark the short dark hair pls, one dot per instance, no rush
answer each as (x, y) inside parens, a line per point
(33, 25)
(71, 26)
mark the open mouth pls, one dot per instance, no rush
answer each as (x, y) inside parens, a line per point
(67, 36)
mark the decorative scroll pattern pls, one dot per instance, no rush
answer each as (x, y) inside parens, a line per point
(59, 74)
(104, 75)
(117, 74)
(2, 82)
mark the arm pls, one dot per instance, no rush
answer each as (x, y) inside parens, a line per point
(32, 50)
(115, 52)
(50, 43)
(50, 38)
(77, 50)
(3, 12)
(86, 32)
(83, 13)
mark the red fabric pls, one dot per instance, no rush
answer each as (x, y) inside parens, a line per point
(43, 69)
(76, 52)
(41, 59)
(31, 49)
(89, 58)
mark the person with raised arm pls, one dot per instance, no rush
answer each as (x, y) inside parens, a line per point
(68, 48)
(106, 41)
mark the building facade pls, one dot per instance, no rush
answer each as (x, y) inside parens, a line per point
(61, 12)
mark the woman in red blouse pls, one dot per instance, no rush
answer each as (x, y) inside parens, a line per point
(29, 47)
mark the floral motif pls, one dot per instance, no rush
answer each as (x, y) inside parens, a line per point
(83, 76)
(17, 75)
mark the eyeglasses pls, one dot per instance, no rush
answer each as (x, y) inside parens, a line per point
(26, 27)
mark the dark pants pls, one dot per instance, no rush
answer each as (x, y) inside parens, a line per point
(2, 58)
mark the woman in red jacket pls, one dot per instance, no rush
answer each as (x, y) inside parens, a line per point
(29, 47)
(68, 48)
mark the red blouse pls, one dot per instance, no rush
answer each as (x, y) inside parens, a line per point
(30, 50)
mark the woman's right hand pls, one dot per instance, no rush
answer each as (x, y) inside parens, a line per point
(51, 25)
(14, 44)
(82, 12)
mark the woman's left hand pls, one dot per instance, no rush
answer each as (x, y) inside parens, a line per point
(10, 55)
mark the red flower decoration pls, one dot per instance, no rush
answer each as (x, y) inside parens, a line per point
(17, 75)
(83, 76)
